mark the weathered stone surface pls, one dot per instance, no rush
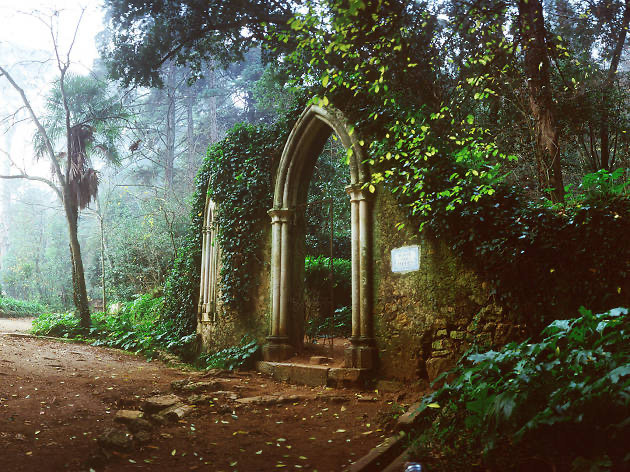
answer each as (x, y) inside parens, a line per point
(115, 439)
(157, 419)
(188, 386)
(346, 377)
(441, 333)
(439, 344)
(378, 458)
(197, 399)
(159, 403)
(318, 360)
(458, 335)
(388, 386)
(143, 437)
(269, 399)
(435, 366)
(441, 353)
(176, 412)
(409, 419)
(197, 387)
(133, 420)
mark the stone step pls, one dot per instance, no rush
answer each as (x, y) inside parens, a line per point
(314, 375)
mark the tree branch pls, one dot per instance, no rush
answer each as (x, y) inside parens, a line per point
(40, 128)
(34, 178)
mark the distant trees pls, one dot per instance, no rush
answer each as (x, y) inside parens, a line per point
(84, 119)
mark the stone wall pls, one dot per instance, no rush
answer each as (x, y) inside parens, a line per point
(425, 320)
(228, 327)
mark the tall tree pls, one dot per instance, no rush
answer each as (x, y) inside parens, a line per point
(534, 41)
(79, 110)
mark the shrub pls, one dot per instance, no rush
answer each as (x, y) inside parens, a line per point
(57, 324)
(11, 308)
(564, 400)
(341, 326)
(243, 354)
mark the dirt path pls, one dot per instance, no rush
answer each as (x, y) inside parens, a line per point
(57, 398)
(16, 325)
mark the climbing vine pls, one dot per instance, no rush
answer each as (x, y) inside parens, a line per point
(237, 175)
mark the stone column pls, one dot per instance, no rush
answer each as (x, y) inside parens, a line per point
(202, 278)
(278, 347)
(361, 353)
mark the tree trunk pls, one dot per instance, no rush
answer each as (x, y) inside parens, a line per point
(78, 274)
(608, 83)
(170, 126)
(214, 129)
(533, 35)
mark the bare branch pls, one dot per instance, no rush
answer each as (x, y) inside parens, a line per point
(40, 127)
(35, 178)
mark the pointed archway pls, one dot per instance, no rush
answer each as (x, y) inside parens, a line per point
(293, 176)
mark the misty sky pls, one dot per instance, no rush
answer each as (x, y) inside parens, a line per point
(26, 50)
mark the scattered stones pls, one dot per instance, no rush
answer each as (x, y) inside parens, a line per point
(115, 439)
(159, 403)
(269, 400)
(196, 399)
(408, 420)
(176, 412)
(143, 437)
(333, 398)
(187, 386)
(133, 420)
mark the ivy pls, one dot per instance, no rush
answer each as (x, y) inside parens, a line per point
(237, 174)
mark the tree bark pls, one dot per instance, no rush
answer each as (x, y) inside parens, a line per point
(533, 37)
(608, 83)
(170, 126)
(78, 274)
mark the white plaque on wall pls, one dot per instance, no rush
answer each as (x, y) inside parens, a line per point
(406, 259)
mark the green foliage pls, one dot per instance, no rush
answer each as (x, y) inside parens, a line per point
(136, 327)
(236, 174)
(564, 400)
(569, 258)
(243, 354)
(339, 327)
(57, 324)
(317, 274)
(12, 308)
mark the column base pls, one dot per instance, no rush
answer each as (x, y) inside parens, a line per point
(277, 350)
(360, 355)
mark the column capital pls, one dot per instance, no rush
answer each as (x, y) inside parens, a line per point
(281, 215)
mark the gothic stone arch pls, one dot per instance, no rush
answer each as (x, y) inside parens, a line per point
(293, 176)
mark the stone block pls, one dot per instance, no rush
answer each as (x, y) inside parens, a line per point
(389, 386)
(441, 353)
(458, 335)
(313, 376)
(159, 403)
(441, 333)
(266, 368)
(408, 420)
(437, 365)
(277, 352)
(115, 439)
(176, 412)
(346, 377)
(360, 357)
(133, 420)
(319, 360)
(439, 344)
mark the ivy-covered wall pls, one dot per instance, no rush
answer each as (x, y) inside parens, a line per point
(493, 269)
(424, 320)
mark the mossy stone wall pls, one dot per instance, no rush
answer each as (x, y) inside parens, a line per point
(424, 320)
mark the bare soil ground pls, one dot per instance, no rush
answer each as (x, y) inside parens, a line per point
(57, 398)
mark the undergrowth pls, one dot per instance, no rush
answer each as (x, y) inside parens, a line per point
(559, 404)
(12, 308)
